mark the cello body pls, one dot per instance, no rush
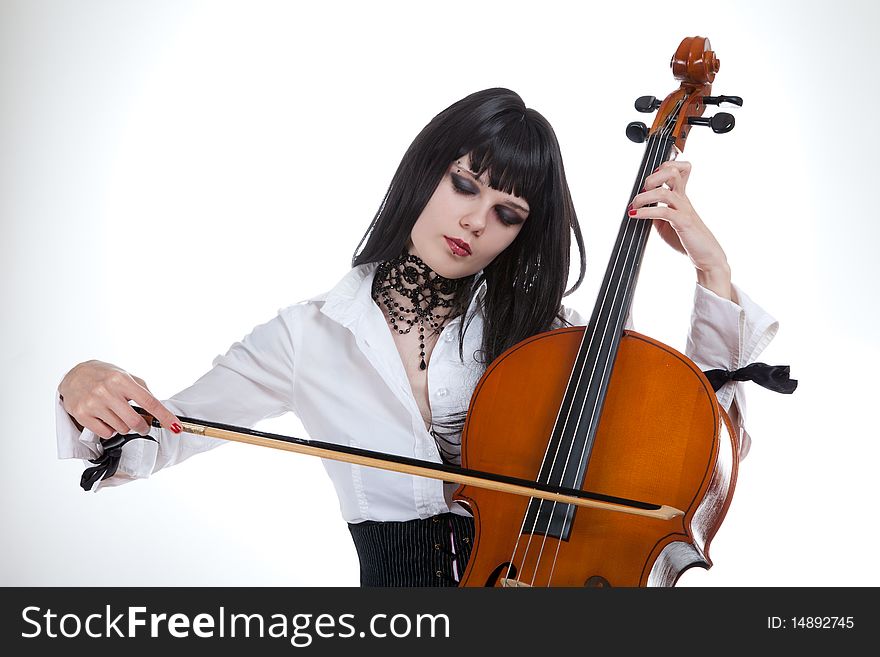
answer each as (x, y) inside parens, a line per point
(661, 437)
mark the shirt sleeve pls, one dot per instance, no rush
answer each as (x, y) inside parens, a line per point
(728, 335)
(251, 382)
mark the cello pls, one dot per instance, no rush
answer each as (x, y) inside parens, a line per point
(607, 410)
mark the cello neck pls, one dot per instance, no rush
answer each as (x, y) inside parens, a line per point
(618, 285)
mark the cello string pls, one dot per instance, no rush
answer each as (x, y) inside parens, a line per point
(653, 158)
(637, 236)
(622, 250)
(567, 416)
(630, 268)
(649, 157)
(642, 229)
(531, 533)
(627, 244)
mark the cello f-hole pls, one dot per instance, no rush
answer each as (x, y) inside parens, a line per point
(495, 576)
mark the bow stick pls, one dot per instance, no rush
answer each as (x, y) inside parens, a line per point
(407, 465)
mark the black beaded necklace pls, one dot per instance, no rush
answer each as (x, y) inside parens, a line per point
(427, 290)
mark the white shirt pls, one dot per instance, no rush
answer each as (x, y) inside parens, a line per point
(332, 361)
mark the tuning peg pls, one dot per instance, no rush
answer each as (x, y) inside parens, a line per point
(637, 132)
(717, 100)
(720, 123)
(647, 104)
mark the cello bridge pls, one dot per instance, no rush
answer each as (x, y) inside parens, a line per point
(509, 581)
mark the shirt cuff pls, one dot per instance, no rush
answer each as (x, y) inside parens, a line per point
(137, 458)
(727, 334)
(73, 443)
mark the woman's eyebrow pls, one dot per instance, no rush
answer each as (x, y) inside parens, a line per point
(516, 205)
(506, 202)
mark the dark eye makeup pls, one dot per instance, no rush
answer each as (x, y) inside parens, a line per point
(463, 186)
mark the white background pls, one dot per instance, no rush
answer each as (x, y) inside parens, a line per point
(173, 173)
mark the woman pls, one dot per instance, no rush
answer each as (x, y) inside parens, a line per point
(467, 255)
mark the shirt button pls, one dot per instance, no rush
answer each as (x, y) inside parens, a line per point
(442, 392)
(449, 337)
(435, 519)
(439, 574)
(436, 546)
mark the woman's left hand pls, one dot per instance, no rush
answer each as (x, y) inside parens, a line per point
(681, 227)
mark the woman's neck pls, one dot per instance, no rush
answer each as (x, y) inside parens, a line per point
(412, 295)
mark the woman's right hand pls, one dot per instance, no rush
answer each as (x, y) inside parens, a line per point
(96, 396)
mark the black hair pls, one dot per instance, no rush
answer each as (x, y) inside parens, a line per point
(518, 149)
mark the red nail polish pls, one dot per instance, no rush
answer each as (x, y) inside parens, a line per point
(176, 428)
(632, 213)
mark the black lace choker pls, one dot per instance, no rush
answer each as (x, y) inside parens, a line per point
(424, 288)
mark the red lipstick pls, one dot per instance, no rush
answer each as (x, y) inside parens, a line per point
(458, 247)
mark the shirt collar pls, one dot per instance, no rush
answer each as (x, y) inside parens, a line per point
(351, 297)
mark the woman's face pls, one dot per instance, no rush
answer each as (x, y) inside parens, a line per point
(466, 224)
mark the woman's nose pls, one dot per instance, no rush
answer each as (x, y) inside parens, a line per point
(474, 221)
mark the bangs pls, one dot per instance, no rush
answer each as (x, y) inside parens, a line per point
(517, 159)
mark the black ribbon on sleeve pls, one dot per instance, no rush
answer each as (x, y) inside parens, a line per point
(106, 464)
(772, 377)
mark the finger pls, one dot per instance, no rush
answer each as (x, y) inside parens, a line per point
(111, 420)
(684, 168)
(99, 427)
(134, 421)
(654, 212)
(666, 174)
(677, 174)
(659, 195)
(140, 382)
(153, 406)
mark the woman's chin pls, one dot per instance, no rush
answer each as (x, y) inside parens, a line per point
(445, 263)
(448, 268)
